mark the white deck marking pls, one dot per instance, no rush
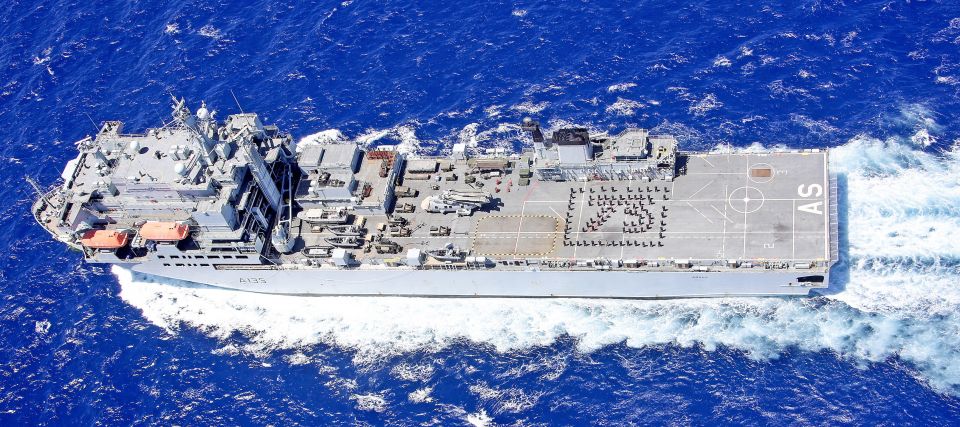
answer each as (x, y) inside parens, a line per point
(723, 200)
(715, 173)
(723, 243)
(701, 213)
(798, 199)
(745, 207)
(704, 158)
(583, 201)
(701, 189)
(826, 202)
(793, 250)
(623, 232)
(673, 184)
(519, 225)
(721, 232)
(723, 214)
(589, 233)
(512, 233)
(558, 215)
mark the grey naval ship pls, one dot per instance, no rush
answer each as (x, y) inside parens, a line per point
(238, 204)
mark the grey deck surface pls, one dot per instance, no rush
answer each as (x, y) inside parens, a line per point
(717, 209)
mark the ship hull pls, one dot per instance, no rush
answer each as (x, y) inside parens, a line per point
(475, 283)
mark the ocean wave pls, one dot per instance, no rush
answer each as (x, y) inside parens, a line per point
(322, 137)
(404, 137)
(529, 107)
(621, 87)
(897, 297)
(624, 107)
(707, 103)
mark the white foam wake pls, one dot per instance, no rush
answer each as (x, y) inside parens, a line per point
(404, 137)
(901, 298)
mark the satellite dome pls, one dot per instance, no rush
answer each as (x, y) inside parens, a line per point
(203, 113)
(133, 147)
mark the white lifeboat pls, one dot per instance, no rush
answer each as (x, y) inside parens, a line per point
(324, 215)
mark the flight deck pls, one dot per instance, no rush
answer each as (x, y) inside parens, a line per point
(765, 207)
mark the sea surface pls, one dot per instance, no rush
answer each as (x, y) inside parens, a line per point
(878, 82)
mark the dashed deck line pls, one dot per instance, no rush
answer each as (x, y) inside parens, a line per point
(517, 235)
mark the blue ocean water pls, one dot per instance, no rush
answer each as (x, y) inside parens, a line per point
(878, 81)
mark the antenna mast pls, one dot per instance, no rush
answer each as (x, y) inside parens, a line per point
(95, 128)
(237, 101)
(36, 187)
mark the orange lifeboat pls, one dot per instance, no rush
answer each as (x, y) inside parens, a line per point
(164, 231)
(104, 239)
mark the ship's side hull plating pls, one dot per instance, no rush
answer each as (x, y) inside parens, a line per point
(439, 283)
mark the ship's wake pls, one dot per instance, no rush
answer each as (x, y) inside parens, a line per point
(897, 294)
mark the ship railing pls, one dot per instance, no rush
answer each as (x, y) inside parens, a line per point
(246, 267)
(658, 264)
(834, 220)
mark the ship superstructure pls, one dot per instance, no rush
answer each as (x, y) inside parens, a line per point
(235, 204)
